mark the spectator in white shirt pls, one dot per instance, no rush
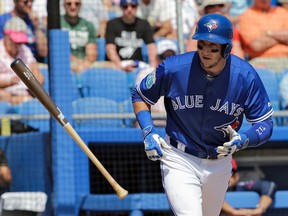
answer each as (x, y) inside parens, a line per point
(12, 89)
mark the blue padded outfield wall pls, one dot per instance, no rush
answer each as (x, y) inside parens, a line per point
(63, 161)
(50, 161)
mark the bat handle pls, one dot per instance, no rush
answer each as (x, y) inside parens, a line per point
(121, 192)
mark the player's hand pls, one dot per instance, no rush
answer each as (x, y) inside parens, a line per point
(153, 146)
(237, 142)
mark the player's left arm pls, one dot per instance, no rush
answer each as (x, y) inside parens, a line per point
(258, 134)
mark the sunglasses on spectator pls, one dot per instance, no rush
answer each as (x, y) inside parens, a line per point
(70, 3)
(125, 6)
(27, 1)
(213, 6)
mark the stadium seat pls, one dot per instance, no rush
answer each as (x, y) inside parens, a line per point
(281, 198)
(101, 48)
(270, 81)
(33, 108)
(5, 107)
(242, 199)
(105, 82)
(271, 84)
(95, 105)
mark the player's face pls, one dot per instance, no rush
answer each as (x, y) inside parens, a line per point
(210, 57)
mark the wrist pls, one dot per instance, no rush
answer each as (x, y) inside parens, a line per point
(245, 141)
(261, 207)
(145, 121)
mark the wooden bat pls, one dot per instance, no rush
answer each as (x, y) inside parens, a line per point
(25, 74)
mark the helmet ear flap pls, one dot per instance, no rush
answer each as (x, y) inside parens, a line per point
(226, 50)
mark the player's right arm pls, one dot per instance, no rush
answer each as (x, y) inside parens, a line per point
(143, 96)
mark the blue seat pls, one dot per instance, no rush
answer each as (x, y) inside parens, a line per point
(105, 82)
(281, 199)
(270, 81)
(96, 105)
(101, 48)
(242, 199)
(5, 107)
(31, 108)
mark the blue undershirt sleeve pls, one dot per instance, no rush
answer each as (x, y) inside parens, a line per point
(260, 132)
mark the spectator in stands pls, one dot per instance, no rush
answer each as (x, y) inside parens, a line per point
(283, 3)
(236, 8)
(264, 35)
(266, 190)
(189, 17)
(5, 174)
(94, 12)
(217, 6)
(37, 40)
(165, 49)
(40, 8)
(125, 37)
(6, 6)
(12, 46)
(159, 14)
(82, 36)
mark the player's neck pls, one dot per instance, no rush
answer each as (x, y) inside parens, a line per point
(215, 69)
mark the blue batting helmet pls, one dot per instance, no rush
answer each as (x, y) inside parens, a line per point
(215, 28)
(128, 2)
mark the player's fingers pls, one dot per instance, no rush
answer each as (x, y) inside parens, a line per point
(228, 144)
(222, 155)
(153, 155)
(230, 130)
(164, 144)
(222, 150)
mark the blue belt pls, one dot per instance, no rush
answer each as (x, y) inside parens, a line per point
(191, 151)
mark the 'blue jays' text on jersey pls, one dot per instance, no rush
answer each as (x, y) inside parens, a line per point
(199, 110)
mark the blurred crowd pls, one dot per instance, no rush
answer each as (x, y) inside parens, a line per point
(137, 36)
(131, 30)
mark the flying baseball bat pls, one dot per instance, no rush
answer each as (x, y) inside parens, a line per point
(25, 74)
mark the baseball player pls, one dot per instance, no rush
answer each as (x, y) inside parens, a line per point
(206, 94)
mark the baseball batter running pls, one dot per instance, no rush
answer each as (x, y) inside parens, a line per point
(206, 95)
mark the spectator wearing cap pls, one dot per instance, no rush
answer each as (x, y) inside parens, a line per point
(217, 6)
(165, 49)
(12, 46)
(266, 190)
(37, 40)
(125, 37)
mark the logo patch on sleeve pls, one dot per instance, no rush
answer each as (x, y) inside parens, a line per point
(151, 79)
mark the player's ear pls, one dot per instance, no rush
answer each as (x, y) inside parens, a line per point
(226, 49)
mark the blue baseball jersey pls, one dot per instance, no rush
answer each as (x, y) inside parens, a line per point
(198, 109)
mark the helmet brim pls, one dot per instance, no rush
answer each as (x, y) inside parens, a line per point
(211, 38)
